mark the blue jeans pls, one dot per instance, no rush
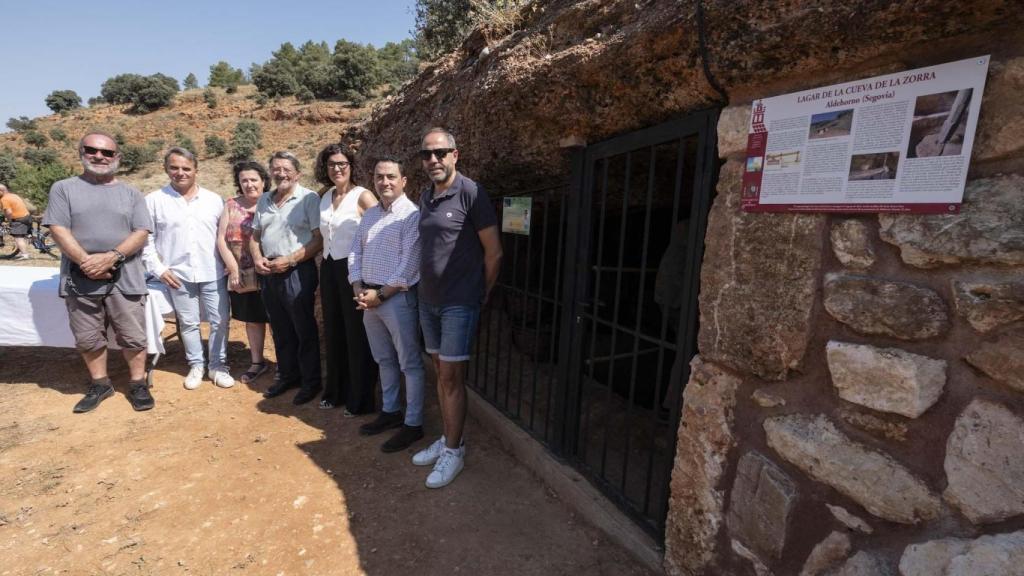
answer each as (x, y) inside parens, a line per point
(394, 338)
(209, 301)
(448, 331)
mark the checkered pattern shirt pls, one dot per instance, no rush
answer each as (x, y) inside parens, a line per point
(386, 248)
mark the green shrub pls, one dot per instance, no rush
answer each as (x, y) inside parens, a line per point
(215, 145)
(305, 95)
(39, 156)
(33, 182)
(61, 101)
(442, 25)
(8, 167)
(21, 124)
(210, 97)
(275, 78)
(36, 139)
(134, 157)
(183, 141)
(59, 135)
(191, 83)
(245, 140)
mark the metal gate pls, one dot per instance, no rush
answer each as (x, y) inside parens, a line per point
(587, 342)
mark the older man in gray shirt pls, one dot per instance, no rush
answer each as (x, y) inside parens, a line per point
(100, 225)
(286, 237)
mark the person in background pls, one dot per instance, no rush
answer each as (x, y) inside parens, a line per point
(234, 233)
(351, 371)
(21, 221)
(100, 225)
(285, 238)
(182, 253)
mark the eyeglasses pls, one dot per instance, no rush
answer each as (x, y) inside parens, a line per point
(89, 150)
(441, 153)
(337, 165)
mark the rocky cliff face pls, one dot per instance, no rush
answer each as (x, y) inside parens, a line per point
(585, 70)
(856, 397)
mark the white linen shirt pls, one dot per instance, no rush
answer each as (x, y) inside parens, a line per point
(184, 238)
(386, 249)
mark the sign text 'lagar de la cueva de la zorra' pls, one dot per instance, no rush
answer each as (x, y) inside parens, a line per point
(895, 143)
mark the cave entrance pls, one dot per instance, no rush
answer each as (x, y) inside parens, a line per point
(587, 342)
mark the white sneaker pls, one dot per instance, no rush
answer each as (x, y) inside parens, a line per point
(194, 378)
(430, 454)
(222, 378)
(448, 466)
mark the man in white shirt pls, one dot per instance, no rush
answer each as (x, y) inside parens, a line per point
(182, 253)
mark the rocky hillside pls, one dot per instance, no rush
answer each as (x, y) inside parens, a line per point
(585, 70)
(285, 125)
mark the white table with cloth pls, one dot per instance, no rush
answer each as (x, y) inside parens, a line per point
(33, 314)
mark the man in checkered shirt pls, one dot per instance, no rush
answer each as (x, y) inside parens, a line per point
(384, 268)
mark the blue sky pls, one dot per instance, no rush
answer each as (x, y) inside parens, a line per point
(75, 45)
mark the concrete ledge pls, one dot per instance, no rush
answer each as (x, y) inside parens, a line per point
(571, 487)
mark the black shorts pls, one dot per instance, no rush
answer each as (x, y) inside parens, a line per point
(21, 226)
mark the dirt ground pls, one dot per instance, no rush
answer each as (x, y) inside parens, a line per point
(219, 481)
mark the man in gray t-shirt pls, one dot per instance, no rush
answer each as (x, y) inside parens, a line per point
(101, 224)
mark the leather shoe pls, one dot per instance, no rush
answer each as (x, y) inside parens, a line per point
(403, 439)
(279, 387)
(305, 395)
(384, 421)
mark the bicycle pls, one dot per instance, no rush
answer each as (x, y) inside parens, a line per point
(39, 239)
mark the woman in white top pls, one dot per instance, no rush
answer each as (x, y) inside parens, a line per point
(351, 370)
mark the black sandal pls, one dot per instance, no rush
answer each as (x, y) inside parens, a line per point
(256, 369)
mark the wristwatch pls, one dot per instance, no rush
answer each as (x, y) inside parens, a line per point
(120, 258)
(380, 294)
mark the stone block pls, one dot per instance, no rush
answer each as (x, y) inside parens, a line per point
(986, 231)
(896, 431)
(851, 243)
(864, 564)
(1002, 359)
(760, 504)
(897, 309)
(886, 379)
(1002, 114)
(849, 520)
(872, 479)
(990, 555)
(766, 399)
(733, 127)
(827, 554)
(988, 304)
(758, 284)
(696, 505)
(984, 468)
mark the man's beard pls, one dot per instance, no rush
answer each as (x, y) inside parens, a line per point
(100, 170)
(443, 177)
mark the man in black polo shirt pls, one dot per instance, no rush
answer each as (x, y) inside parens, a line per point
(459, 264)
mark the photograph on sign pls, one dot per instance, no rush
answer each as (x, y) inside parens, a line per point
(515, 215)
(895, 143)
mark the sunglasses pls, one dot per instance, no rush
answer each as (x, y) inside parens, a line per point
(441, 153)
(338, 165)
(89, 150)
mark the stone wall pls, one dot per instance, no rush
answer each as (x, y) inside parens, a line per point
(856, 406)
